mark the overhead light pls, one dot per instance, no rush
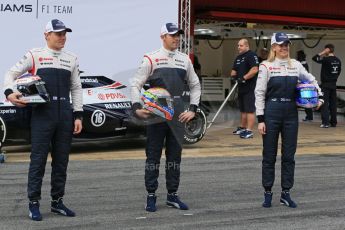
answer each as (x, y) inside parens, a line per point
(291, 36)
(294, 36)
(262, 37)
(204, 31)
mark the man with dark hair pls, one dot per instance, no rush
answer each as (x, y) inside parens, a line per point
(330, 71)
(330, 47)
(169, 69)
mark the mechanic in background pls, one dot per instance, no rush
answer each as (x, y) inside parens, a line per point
(245, 69)
(330, 71)
(52, 124)
(169, 69)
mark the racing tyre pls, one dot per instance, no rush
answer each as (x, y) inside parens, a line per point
(2, 131)
(2, 139)
(195, 129)
(2, 158)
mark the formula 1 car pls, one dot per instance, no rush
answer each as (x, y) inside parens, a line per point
(107, 114)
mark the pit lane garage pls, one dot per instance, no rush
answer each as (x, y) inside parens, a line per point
(213, 29)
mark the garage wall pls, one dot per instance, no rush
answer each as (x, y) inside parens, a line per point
(218, 63)
(210, 59)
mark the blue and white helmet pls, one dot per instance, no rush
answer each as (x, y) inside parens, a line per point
(307, 95)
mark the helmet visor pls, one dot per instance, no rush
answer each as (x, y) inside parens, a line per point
(40, 87)
(308, 94)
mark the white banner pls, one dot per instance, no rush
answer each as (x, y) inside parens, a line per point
(110, 37)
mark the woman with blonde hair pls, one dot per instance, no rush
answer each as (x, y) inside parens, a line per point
(277, 113)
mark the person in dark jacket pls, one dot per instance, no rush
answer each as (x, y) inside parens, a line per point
(330, 71)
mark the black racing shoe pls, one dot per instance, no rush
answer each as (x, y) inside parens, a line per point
(174, 201)
(285, 199)
(34, 210)
(151, 202)
(58, 207)
(324, 126)
(246, 134)
(268, 200)
(307, 120)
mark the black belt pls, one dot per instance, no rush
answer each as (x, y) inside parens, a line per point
(56, 98)
(281, 99)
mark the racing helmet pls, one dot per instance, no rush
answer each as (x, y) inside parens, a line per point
(307, 95)
(158, 101)
(32, 88)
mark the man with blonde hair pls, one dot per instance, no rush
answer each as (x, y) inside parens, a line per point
(52, 124)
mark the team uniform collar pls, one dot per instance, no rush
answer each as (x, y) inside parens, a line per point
(55, 52)
(168, 53)
(282, 61)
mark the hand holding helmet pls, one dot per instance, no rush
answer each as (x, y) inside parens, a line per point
(156, 101)
(15, 99)
(29, 89)
(320, 103)
(186, 116)
(143, 113)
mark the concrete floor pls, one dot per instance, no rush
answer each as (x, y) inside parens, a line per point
(218, 141)
(221, 182)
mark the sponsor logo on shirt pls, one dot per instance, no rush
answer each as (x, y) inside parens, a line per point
(66, 61)
(161, 59)
(40, 59)
(68, 66)
(180, 65)
(274, 68)
(46, 63)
